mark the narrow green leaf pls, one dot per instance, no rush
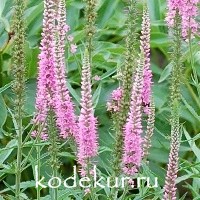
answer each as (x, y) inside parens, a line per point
(5, 154)
(192, 144)
(73, 92)
(166, 73)
(191, 109)
(5, 87)
(2, 6)
(5, 23)
(96, 95)
(3, 111)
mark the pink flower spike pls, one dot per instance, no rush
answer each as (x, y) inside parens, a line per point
(46, 69)
(132, 155)
(64, 108)
(145, 49)
(88, 141)
(188, 11)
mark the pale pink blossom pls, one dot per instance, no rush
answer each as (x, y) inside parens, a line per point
(132, 155)
(87, 142)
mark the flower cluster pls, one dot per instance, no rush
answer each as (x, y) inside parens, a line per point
(188, 11)
(46, 71)
(145, 49)
(52, 93)
(126, 76)
(133, 128)
(170, 181)
(116, 96)
(87, 141)
(66, 120)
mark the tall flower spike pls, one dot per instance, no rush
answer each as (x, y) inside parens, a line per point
(188, 11)
(145, 49)
(46, 71)
(18, 87)
(18, 67)
(133, 128)
(172, 170)
(64, 109)
(87, 143)
(170, 180)
(119, 118)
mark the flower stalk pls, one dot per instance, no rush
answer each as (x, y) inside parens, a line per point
(87, 141)
(90, 16)
(119, 118)
(18, 71)
(64, 108)
(54, 150)
(132, 155)
(170, 180)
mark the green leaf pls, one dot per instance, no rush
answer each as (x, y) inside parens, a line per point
(106, 11)
(23, 185)
(96, 95)
(165, 73)
(5, 23)
(3, 111)
(2, 6)
(159, 39)
(108, 73)
(154, 9)
(191, 109)
(9, 149)
(73, 92)
(192, 144)
(30, 97)
(5, 87)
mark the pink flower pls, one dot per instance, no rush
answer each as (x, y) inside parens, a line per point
(97, 78)
(73, 48)
(46, 70)
(87, 143)
(52, 93)
(70, 38)
(188, 11)
(132, 155)
(64, 108)
(114, 104)
(66, 28)
(145, 49)
(170, 180)
(87, 191)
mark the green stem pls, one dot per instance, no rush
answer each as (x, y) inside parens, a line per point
(53, 149)
(33, 146)
(19, 155)
(193, 68)
(124, 192)
(1, 77)
(38, 163)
